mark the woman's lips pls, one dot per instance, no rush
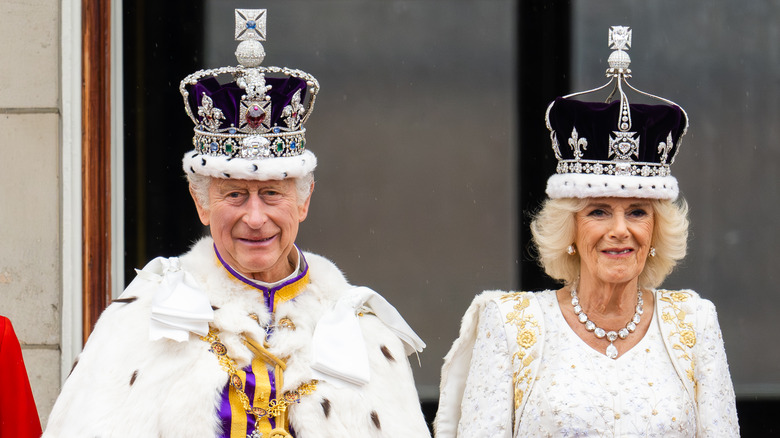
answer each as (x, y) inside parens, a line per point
(617, 251)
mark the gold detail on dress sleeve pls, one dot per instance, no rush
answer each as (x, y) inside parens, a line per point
(683, 331)
(527, 332)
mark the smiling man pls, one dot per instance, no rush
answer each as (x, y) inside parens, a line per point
(245, 335)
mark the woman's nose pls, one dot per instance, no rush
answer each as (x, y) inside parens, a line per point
(619, 227)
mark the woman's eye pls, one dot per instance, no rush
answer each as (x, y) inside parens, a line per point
(597, 212)
(638, 213)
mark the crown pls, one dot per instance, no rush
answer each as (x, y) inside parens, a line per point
(614, 148)
(249, 118)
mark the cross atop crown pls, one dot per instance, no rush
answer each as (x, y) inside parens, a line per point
(619, 37)
(250, 24)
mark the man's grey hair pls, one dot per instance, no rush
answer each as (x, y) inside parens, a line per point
(200, 187)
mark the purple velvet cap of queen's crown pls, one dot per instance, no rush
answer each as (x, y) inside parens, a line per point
(615, 149)
(597, 159)
(249, 119)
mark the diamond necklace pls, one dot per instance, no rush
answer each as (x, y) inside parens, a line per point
(611, 335)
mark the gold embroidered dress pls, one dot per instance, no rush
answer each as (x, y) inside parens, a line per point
(518, 370)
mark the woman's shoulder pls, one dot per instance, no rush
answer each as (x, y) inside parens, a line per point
(509, 300)
(681, 309)
(682, 298)
(505, 296)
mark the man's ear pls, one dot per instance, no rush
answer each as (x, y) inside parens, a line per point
(203, 212)
(303, 209)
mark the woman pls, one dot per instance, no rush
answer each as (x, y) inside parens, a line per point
(608, 354)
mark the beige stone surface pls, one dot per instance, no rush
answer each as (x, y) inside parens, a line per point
(43, 369)
(29, 60)
(30, 280)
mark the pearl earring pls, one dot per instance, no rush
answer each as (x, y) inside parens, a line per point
(652, 251)
(571, 250)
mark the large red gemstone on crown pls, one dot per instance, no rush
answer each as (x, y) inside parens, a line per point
(255, 116)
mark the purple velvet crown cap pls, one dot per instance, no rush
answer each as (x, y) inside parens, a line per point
(596, 122)
(596, 158)
(227, 97)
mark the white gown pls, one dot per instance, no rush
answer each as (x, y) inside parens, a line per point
(580, 392)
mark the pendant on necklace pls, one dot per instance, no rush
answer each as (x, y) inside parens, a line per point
(255, 434)
(612, 351)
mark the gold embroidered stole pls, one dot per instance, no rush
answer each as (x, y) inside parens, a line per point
(676, 311)
(524, 326)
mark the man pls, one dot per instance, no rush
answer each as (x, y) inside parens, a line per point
(245, 335)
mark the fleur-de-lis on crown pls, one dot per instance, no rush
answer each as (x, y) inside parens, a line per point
(210, 116)
(665, 147)
(576, 143)
(293, 112)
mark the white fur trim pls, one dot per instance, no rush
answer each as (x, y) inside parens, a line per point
(126, 385)
(577, 185)
(240, 168)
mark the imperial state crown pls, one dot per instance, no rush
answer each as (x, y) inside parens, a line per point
(249, 119)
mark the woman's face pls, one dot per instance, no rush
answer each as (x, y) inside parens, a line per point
(613, 237)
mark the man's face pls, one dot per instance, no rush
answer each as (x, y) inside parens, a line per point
(254, 224)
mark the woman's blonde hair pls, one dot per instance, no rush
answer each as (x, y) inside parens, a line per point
(554, 227)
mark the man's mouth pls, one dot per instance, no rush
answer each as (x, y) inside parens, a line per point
(258, 239)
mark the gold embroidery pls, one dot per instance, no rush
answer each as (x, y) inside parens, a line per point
(276, 408)
(684, 331)
(527, 333)
(286, 323)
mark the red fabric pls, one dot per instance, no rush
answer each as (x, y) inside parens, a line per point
(18, 415)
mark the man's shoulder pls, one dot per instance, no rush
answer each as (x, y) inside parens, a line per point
(325, 275)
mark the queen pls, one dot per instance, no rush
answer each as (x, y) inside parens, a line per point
(610, 353)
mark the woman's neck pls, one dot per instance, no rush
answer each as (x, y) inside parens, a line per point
(607, 299)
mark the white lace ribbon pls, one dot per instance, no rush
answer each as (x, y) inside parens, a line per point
(179, 306)
(339, 350)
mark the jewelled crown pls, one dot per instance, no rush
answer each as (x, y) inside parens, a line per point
(613, 148)
(249, 118)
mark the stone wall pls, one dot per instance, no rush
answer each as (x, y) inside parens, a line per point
(30, 187)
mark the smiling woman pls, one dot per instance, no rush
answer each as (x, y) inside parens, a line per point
(554, 230)
(608, 354)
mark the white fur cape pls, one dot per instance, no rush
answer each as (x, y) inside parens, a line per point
(125, 385)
